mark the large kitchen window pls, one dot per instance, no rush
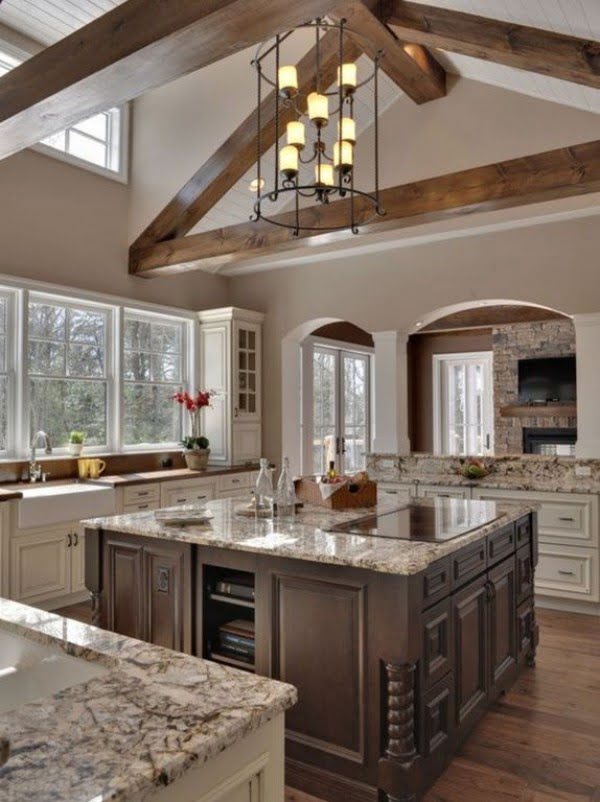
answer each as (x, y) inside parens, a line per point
(153, 370)
(98, 143)
(338, 411)
(91, 365)
(463, 404)
(67, 365)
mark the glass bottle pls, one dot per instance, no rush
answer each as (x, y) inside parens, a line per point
(331, 473)
(286, 493)
(264, 490)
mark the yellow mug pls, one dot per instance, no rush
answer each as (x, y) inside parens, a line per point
(83, 468)
(96, 467)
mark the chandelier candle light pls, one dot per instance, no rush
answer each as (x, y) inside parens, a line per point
(305, 141)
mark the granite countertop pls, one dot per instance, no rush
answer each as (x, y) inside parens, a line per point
(152, 716)
(531, 484)
(307, 537)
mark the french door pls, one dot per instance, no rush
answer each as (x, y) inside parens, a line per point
(340, 410)
(463, 404)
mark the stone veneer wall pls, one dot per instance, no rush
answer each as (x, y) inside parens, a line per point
(524, 341)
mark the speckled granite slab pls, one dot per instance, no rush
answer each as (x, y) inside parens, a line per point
(528, 472)
(152, 716)
(308, 537)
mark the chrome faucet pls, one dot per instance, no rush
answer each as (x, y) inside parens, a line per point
(35, 469)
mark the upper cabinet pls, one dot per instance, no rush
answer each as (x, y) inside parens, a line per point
(230, 365)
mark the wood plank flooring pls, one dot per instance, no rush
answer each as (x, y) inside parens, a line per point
(541, 742)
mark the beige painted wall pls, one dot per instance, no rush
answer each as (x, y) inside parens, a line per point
(65, 225)
(554, 265)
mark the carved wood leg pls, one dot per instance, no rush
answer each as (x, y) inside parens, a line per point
(96, 608)
(399, 751)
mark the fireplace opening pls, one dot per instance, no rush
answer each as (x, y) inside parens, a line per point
(550, 442)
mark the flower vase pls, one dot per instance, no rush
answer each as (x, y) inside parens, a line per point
(197, 458)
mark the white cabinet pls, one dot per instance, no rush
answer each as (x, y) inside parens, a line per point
(568, 572)
(46, 562)
(396, 491)
(230, 365)
(237, 485)
(190, 491)
(439, 491)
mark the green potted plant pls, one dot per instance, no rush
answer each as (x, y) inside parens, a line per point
(76, 441)
(195, 446)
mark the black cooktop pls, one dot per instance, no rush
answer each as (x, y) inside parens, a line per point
(444, 520)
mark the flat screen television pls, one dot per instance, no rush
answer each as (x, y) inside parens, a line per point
(550, 379)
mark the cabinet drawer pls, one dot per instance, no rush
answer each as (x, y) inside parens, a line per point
(141, 506)
(566, 522)
(188, 493)
(438, 642)
(469, 562)
(567, 572)
(150, 492)
(242, 492)
(501, 544)
(436, 582)
(439, 491)
(234, 481)
(400, 492)
(523, 531)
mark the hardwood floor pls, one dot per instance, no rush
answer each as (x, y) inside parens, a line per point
(541, 742)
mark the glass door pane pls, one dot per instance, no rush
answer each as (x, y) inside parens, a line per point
(465, 404)
(325, 404)
(355, 413)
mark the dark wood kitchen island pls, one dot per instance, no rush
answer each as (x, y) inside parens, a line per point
(396, 647)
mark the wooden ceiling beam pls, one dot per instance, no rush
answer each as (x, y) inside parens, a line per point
(139, 45)
(411, 66)
(238, 153)
(533, 49)
(531, 179)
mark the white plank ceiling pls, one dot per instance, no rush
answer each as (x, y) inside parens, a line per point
(47, 21)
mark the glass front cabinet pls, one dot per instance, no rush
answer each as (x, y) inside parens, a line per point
(230, 365)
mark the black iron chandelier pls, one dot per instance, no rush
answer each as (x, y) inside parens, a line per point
(306, 140)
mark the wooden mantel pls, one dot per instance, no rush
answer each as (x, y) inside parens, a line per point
(539, 411)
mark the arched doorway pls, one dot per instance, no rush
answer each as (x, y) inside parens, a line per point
(326, 392)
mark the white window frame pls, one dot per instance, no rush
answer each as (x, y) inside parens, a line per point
(187, 370)
(307, 427)
(439, 401)
(18, 292)
(118, 139)
(109, 378)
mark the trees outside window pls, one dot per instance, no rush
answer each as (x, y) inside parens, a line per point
(153, 371)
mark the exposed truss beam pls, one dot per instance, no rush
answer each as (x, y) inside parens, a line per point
(238, 153)
(138, 45)
(410, 66)
(531, 179)
(533, 49)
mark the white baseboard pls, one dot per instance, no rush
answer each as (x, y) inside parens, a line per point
(567, 606)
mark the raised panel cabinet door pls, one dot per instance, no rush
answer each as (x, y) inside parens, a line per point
(77, 560)
(167, 579)
(123, 583)
(502, 612)
(438, 643)
(319, 645)
(469, 614)
(215, 358)
(40, 565)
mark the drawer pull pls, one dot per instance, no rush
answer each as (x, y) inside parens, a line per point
(141, 493)
(235, 481)
(392, 492)
(143, 506)
(181, 500)
(567, 573)
(570, 520)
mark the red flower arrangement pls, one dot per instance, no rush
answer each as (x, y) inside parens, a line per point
(193, 404)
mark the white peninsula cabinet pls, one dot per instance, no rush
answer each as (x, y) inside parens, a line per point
(230, 365)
